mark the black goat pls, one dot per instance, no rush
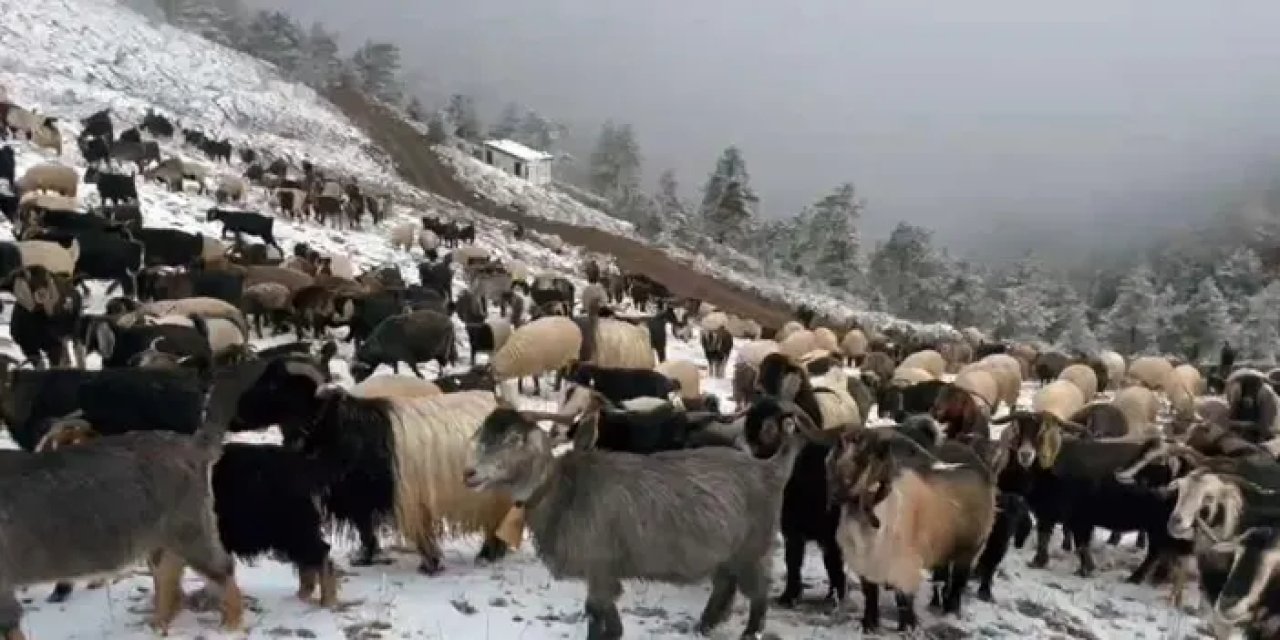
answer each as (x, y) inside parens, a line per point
(247, 223)
(170, 247)
(618, 385)
(898, 402)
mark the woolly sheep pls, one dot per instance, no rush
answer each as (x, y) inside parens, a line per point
(1182, 385)
(231, 188)
(854, 344)
(1115, 366)
(1060, 398)
(395, 386)
(1008, 373)
(470, 253)
(839, 410)
(224, 335)
(622, 345)
(981, 383)
(50, 255)
(47, 201)
(1083, 377)
(906, 376)
(207, 308)
(594, 296)
(973, 336)
(50, 177)
(713, 321)
(340, 266)
(825, 339)
(293, 279)
(686, 373)
(1140, 407)
(546, 344)
(402, 236)
(798, 343)
(753, 352)
(929, 360)
(1025, 354)
(428, 240)
(742, 328)
(47, 135)
(264, 298)
(1149, 371)
(787, 329)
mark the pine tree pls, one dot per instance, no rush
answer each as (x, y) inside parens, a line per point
(615, 163)
(1260, 331)
(727, 200)
(539, 132)
(213, 21)
(670, 208)
(968, 303)
(509, 123)
(910, 274)
(437, 129)
(322, 66)
(377, 66)
(1207, 321)
(1077, 336)
(834, 230)
(1240, 277)
(1025, 301)
(275, 37)
(1131, 324)
(461, 116)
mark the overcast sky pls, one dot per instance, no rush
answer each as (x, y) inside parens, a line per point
(988, 120)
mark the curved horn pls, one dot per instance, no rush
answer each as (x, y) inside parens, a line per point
(294, 367)
(1245, 482)
(558, 418)
(807, 425)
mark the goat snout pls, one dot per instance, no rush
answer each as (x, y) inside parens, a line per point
(1231, 608)
(1026, 455)
(1179, 527)
(471, 478)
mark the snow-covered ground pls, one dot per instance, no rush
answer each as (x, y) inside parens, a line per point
(72, 57)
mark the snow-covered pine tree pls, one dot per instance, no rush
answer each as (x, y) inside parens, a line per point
(834, 227)
(727, 199)
(672, 210)
(1207, 321)
(910, 274)
(615, 162)
(1077, 335)
(214, 21)
(323, 65)
(460, 114)
(275, 37)
(1169, 312)
(437, 129)
(1259, 337)
(968, 303)
(1025, 301)
(540, 132)
(1240, 276)
(508, 124)
(377, 65)
(1131, 324)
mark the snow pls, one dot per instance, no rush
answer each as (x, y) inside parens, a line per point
(71, 57)
(517, 150)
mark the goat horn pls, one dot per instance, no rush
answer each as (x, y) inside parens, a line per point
(1207, 531)
(558, 418)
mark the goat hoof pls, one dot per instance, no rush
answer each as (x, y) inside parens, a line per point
(430, 566)
(788, 600)
(1039, 562)
(870, 625)
(984, 594)
(1084, 572)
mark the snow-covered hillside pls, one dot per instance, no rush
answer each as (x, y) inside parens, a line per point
(72, 57)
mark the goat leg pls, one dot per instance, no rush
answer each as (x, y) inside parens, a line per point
(603, 620)
(959, 581)
(833, 559)
(1044, 530)
(1082, 535)
(907, 619)
(166, 575)
(794, 557)
(870, 606)
(61, 591)
(754, 585)
(723, 588)
(369, 547)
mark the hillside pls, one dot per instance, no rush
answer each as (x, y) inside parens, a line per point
(52, 52)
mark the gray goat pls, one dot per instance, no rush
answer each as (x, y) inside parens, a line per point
(674, 516)
(98, 507)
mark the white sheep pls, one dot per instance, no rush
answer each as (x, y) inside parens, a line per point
(50, 255)
(713, 321)
(231, 188)
(395, 386)
(906, 376)
(839, 409)
(224, 335)
(50, 176)
(1008, 373)
(402, 236)
(1115, 366)
(428, 240)
(752, 353)
(798, 343)
(686, 373)
(1182, 385)
(825, 339)
(470, 253)
(340, 266)
(47, 135)
(206, 308)
(1149, 371)
(620, 344)
(929, 360)
(973, 336)
(981, 383)
(1140, 407)
(790, 327)
(546, 344)
(47, 201)
(744, 328)
(594, 296)
(854, 344)
(1083, 376)
(1060, 398)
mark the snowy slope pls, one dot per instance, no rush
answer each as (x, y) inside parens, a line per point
(49, 50)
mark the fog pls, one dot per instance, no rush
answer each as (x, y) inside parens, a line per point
(995, 122)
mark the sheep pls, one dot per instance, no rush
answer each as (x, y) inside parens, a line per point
(755, 351)
(686, 375)
(410, 338)
(798, 343)
(788, 328)
(336, 265)
(619, 344)
(689, 532)
(487, 337)
(1149, 371)
(594, 296)
(1061, 398)
(230, 189)
(264, 501)
(46, 135)
(266, 299)
(957, 354)
(121, 346)
(902, 511)
(395, 386)
(903, 376)
(224, 336)
(1140, 407)
(927, 360)
(854, 345)
(825, 339)
(1006, 370)
(50, 177)
(428, 241)
(546, 344)
(717, 344)
(470, 254)
(33, 201)
(204, 307)
(1182, 385)
(1083, 377)
(402, 236)
(55, 257)
(1115, 366)
(291, 278)
(982, 384)
(403, 458)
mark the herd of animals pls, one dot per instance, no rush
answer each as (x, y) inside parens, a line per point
(661, 482)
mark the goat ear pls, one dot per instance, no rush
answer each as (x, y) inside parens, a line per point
(1050, 446)
(789, 386)
(106, 339)
(22, 293)
(587, 432)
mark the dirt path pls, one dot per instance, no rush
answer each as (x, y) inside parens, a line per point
(421, 167)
